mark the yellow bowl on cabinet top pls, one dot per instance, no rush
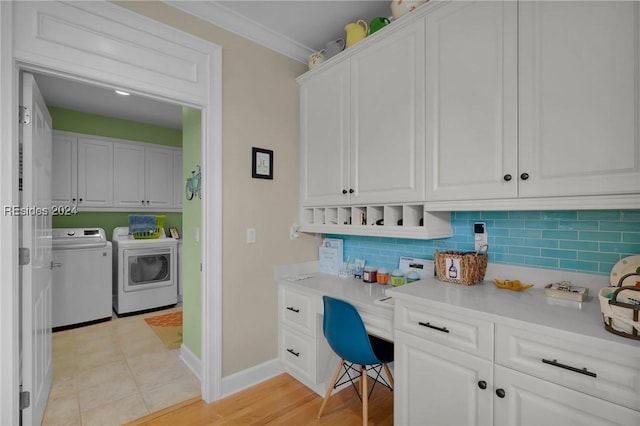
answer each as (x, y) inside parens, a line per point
(514, 285)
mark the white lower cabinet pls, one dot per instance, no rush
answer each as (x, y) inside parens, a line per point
(449, 372)
(302, 348)
(529, 401)
(437, 385)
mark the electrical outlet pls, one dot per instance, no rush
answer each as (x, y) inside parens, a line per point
(294, 232)
(479, 234)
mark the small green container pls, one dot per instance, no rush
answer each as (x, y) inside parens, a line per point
(397, 278)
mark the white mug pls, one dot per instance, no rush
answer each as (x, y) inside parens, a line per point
(317, 58)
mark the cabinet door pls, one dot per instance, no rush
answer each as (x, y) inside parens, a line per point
(387, 119)
(178, 181)
(579, 91)
(324, 149)
(437, 385)
(129, 176)
(531, 401)
(159, 183)
(471, 105)
(64, 170)
(95, 173)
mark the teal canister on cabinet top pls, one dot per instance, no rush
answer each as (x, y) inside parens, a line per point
(412, 276)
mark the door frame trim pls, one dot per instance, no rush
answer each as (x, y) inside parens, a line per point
(211, 254)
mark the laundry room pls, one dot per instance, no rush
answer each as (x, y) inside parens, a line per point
(119, 196)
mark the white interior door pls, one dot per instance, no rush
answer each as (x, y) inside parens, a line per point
(35, 276)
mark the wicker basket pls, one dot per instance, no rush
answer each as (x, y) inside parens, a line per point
(460, 267)
(620, 317)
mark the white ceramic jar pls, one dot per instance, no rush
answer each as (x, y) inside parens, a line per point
(401, 7)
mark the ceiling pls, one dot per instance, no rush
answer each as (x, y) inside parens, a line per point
(295, 28)
(63, 93)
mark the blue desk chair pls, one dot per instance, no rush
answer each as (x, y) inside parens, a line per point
(345, 332)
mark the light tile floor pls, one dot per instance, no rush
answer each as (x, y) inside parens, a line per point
(113, 372)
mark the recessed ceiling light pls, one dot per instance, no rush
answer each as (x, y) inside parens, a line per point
(123, 93)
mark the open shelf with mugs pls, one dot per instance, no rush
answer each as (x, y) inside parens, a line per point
(383, 220)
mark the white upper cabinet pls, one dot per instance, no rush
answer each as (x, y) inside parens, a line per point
(101, 174)
(362, 125)
(158, 168)
(471, 101)
(144, 176)
(324, 129)
(64, 170)
(527, 100)
(387, 119)
(95, 173)
(129, 176)
(178, 181)
(579, 92)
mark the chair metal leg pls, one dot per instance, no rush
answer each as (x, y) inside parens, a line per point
(365, 398)
(330, 388)
(386, 370)
(363, 370)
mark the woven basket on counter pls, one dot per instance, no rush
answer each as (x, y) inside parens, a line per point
(461, 267)
(620, 313)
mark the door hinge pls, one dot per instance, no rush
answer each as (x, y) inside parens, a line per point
(24, 115)
(25, 400)
(24, 256)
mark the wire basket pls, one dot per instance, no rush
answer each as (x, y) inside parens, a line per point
(154, 234)
(620, 308)
(461, 267)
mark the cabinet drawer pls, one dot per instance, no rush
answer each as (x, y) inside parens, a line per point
(297, 310)
(297, 353)
(595, 370)
(467, 334)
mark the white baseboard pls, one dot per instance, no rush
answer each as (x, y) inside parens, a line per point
(192, 361)
(237, 381)
(251, 376)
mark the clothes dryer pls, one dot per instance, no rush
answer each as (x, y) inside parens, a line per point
(145, 272)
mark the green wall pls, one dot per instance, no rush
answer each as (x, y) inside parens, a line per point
(98, 125)
(92, 124)
(191, 249)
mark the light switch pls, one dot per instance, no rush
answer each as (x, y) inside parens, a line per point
(251, 235)
(196, 234)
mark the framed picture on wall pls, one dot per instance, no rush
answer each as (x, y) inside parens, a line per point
(174, 233)
(261, 163)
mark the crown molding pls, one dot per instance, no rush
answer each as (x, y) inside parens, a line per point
(232, 21)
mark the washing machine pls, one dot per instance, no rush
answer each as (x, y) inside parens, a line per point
(145, 272)
(81, 276)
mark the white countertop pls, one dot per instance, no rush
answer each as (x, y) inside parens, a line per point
(360, 294)
(518, 308)
(527, 306)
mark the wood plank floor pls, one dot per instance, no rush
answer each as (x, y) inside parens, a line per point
(281, 400)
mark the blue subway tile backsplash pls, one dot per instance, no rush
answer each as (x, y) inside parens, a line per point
(590, 241)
